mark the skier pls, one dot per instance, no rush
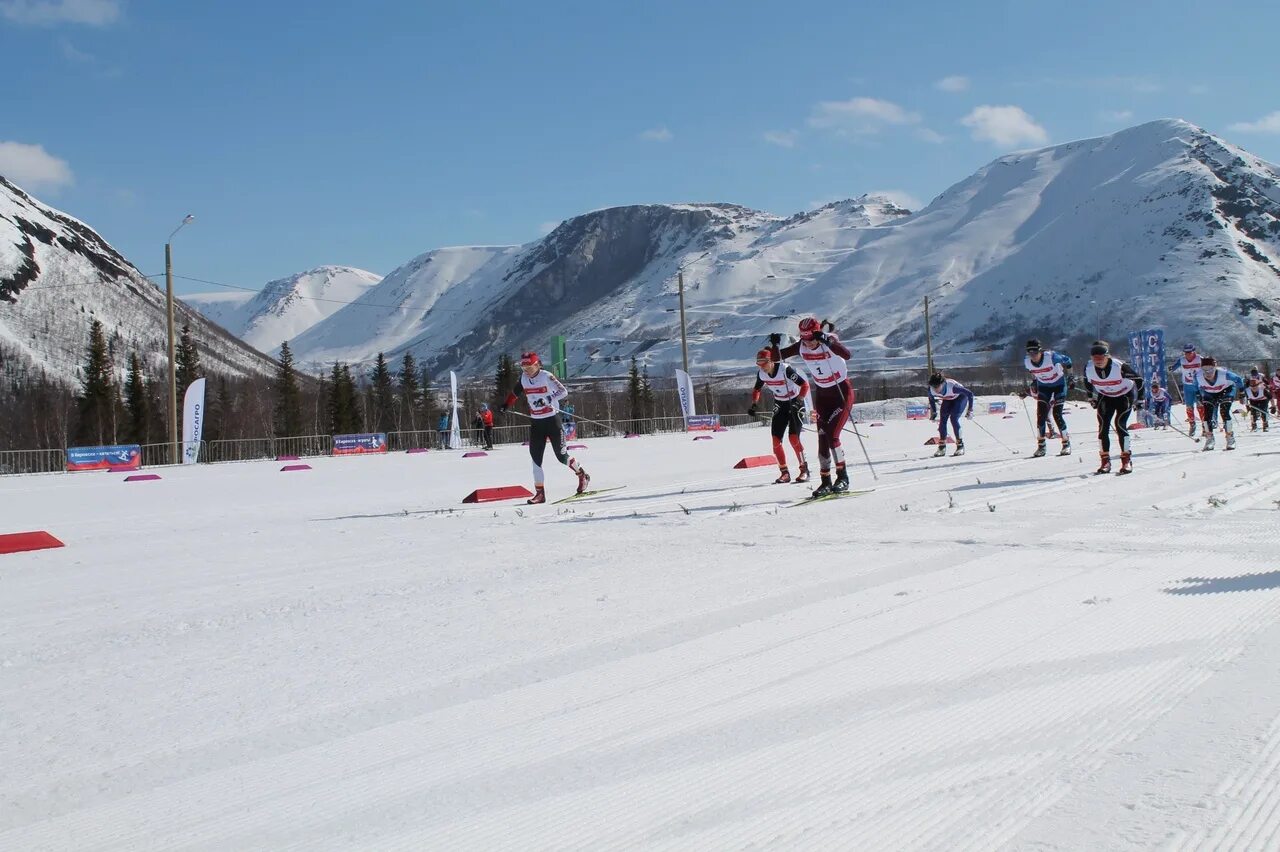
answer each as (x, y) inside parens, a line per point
(1051, 372)
(1113, 389)
(1158, 402)
(486, 424)
(824, 359)
(1188, 366)
(956, 400)
(542, 392)
(1255, 395)
(1218, 389)
(1275, 393)
(789, 390)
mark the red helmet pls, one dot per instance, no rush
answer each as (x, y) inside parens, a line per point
(808, 328)
(765, 354)
(529, 359)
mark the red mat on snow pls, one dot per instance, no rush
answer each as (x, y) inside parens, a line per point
(24, 541)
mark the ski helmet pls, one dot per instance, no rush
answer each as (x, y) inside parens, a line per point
(765, 354)
(808, 328)
(1188, 347)
(1033, 345)
(529, 359)
(936, 380)
(484, 406)
(1100, 347)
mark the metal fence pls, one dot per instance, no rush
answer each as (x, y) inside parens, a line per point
(32, 461)
(255, 449)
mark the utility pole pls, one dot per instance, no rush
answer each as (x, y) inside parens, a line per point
(174, 455)
(928, 339)
(684, 337)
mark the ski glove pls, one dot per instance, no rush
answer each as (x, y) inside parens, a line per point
(775, 339)
(752, 410)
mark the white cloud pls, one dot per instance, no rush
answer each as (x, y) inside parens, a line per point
(1004, 125)
(860, 116)
(1115, 116)
(657, 134)
(899, 197)
(94, 13)
(1267, 124)
(32, 167)
(954, 83)
(548, 226)
(782, 138)
(75, 54)
(930, 135)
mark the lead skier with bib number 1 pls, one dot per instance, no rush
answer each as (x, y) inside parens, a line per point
(824, 360)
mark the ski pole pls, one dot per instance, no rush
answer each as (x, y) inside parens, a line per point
(867, 456)
(993, 437)
(575, 417)
(1028, 413)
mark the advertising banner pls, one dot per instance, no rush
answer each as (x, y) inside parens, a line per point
(702, 422)
(917, 412)
(997, 407)
(455, 429)
(684, 385)
(358, 445)
(117, 457)
(192, 421)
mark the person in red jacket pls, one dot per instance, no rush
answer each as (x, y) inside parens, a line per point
(824, 360)
(486, 423)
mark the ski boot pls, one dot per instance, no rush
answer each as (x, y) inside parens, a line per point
(1126, 464)
(539, 496)
(1191, 428)
(1039, 453)
(1066, 446)
(784, 478)
(941, 451)
(584, 479)
(1231, 440)
(959, 450)
(1265, 427)
(803, 475)
(824, 488)
(1208, 440)
(842, 481)
(1105, 466)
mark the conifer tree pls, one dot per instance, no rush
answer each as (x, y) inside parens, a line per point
(187, 359)
(635, 391)
(97, 392)
(408, 394)
(505, 378)
(288, 396)
(381, 396)
(137, 403)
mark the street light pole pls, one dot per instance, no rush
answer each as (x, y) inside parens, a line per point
(684, 335)
(928, 335)
(174, 456)
(928, 339)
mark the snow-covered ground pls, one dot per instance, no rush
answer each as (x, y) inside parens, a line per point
(992, 651)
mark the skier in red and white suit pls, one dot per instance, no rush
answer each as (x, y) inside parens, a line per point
(543, 392)
(824, 360)
(789, 390)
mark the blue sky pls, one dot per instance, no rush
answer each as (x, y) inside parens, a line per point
(364, 134)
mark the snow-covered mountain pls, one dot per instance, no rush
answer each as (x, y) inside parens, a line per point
(607, 279)
(57, 273)
(1162, 224)
(286, 307)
